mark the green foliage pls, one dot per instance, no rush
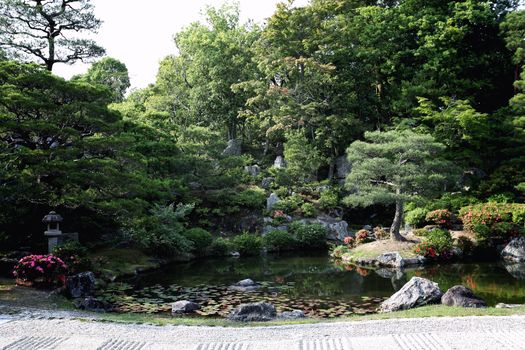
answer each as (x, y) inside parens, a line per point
(74, 255)
(309, 236)
(110, 73)
(440, 217)
(308, 210)
(200, 239)
(337, 252)
(289, 204)
(453, 202)
(416, 217)
(220, 247)
(328, 199)
(247, 244)
(278, 241)
(162, 233)
(253, 197)
(437, 243)
(302, 159)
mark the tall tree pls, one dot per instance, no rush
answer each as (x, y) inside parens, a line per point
(39, 30)
(395, 167)
(111, 73)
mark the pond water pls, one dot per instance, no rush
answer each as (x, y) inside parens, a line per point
(312, 283)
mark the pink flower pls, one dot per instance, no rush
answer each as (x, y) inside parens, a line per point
(39, 269)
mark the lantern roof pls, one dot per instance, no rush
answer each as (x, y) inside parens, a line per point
(52, 217)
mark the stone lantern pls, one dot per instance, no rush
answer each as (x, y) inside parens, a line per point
(53, 232)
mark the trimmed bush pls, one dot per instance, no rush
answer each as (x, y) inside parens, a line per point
(493, 220)
(309, 236)
(200, 238)
(339, 251)
(253, 197)
(220, 247)
(247, 244)
(437, 243)
(416, 217)
(328, 199)
(278, 240)
(290, 204)
(74, 255)
(47, 270)
(440, 217)
(308, 210)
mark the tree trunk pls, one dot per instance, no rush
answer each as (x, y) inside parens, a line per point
(396, 225)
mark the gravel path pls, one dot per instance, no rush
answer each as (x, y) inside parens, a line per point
(21, 333)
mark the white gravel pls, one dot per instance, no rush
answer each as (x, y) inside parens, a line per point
(428, 333)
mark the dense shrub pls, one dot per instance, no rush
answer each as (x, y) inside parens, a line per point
(416, 217)
(247, 244)
(253, 197)
(309, 236)
(47, 270)
(162, 232)
(328, 199)
(362, 236)
(437, 243)
(289, 204)
(220, 247)
(453, 202)
(308, 210)
(380, 233)
(493, 220)
(279, 240)
(440, 217)
(74, 255)
(200, 239)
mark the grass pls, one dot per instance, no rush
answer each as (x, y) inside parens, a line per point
(18, 296)
(422, 312)
(374, 249)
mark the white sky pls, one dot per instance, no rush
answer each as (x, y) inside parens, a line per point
(140, 33)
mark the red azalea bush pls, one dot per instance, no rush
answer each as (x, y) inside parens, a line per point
(440, 217)
(349, 241)
(426, 249)
(438, 243)
(46, 269)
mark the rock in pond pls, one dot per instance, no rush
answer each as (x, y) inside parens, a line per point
(81, 285)
(292, 315)
(515, 250)
(463, 297)
(255, 312)
(417, 292)
(184, 307)
(246, 285)
(93, 304)
(393, 259)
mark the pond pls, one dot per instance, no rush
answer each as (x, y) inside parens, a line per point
(310, 283)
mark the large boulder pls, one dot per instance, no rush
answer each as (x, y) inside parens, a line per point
(266, 183)
(252, 170)
(272, 201)
(234, 148)
(81, 285)
(417, 292)
(255, 312)
(393, 259)
(337, 229)
(517, 270)
(292, 315)
(184, 307)
(463, 297)
(515, 250)
(246, 285)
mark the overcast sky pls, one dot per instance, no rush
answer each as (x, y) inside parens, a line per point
(140, 33)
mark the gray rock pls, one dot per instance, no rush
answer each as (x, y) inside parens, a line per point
(292, 315)
(184, 307)
(235, 254)
(417, 292)
(267, 182)
(255, 312)
(250, 223)
(517, 270)
(246, 285)
(463, 297)
(81, 285)
(515, 250)
(392, 259)
(272, 201)
(253, 170)
(268, 228)
(93, 304)
(279, 163)
(368, 228)
(508, 306)
(342, 167)
(337, 229)
(234, 148)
